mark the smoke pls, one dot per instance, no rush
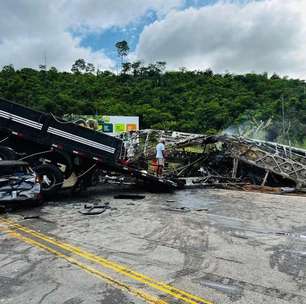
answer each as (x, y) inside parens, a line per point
(291, 133)
(261, 130)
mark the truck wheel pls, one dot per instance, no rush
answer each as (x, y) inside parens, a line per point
(7, 153)
(79, 187)
(52, 178)
(94, 178)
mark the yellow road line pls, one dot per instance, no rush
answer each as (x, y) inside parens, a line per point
(108, 279)
(168, 289)
(4, 231)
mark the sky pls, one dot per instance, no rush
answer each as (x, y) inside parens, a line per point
(236, 36)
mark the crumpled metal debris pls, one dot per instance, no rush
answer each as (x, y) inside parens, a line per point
(95, 209)
(223, 160)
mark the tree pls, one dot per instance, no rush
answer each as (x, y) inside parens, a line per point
(90, 68)
(8, 69)
(78, 66)
(126, 67)
(53, 70)
(161, 66)
(42, 67)
(136, 67)
(122, 49)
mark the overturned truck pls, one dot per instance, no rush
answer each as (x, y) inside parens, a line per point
(225, 160)
(63, 153)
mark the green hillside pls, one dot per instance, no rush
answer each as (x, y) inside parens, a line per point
(191, 101)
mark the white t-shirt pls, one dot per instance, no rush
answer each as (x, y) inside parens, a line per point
(159, 150)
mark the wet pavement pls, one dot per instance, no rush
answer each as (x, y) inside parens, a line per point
(217, 245)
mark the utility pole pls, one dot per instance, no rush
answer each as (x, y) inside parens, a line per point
(45, 60)
(98, 69)
(44, 65)
(283, 116)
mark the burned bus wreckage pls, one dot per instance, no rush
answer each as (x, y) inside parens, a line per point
(66, 155)
(222, 160)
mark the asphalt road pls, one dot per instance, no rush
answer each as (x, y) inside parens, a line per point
(193, 246)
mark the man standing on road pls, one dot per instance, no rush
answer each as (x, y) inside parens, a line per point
(160, 156)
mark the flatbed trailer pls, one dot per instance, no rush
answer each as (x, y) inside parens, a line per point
(63, 152)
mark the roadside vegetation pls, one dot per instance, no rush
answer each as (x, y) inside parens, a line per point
(190, 101)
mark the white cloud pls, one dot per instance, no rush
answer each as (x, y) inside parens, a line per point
(260, 36)
(31, 28)
(101, 14)
(61, 51)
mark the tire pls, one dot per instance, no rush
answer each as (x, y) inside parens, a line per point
(79, 187)
(7, 153)
(53, 178)
(94, 179)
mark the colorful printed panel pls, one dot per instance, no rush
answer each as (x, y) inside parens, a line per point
(108, 128)
(131, 127)
(119, 128)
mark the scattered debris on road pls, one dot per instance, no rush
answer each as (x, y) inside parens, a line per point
(29, 217)
(129, 196)
(96, 209)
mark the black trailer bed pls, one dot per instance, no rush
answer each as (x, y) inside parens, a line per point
(47, 130)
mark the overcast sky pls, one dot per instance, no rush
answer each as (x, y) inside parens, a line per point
(236, 36)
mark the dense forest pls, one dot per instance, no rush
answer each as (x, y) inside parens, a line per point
(191, 101)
